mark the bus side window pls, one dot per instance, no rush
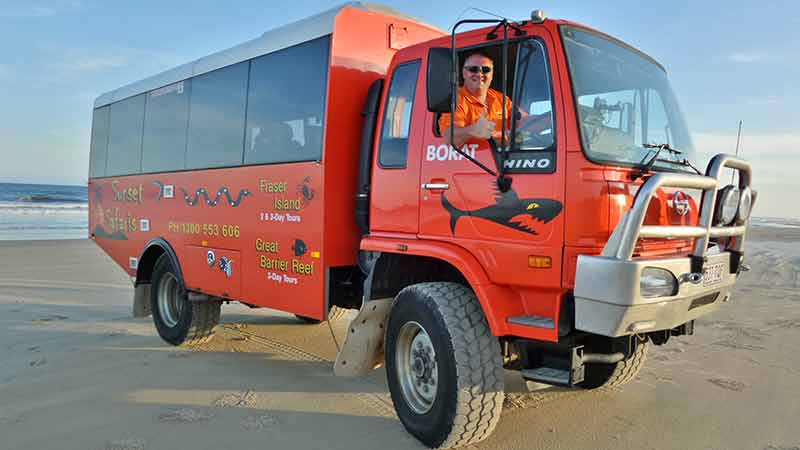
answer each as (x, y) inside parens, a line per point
(165, 119)
(397, 116)
(99, 143)
(286, 104)
(125, 136)
(216, 118)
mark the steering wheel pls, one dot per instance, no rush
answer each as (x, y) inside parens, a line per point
(532, 125)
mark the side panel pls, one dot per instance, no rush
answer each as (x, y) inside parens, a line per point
(267, 219)
(213, 271)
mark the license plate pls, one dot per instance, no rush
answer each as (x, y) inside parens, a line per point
(713, 274)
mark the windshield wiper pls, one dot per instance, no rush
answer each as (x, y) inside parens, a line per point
(660, 147)
(645, 167)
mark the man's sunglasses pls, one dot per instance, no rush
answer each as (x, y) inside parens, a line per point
(476, 69)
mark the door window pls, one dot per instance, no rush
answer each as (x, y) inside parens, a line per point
(393, 150)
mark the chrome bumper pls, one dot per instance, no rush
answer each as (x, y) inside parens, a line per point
(607, 295)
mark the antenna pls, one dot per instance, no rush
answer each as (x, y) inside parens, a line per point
(738, 138)
(482, 11)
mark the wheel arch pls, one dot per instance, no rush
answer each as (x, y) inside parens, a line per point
(430, 261)
(152, 251)
(144, 271)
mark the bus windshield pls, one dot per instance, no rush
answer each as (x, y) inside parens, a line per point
(625, 103)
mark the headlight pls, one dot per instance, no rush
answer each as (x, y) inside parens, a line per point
(745, 206)
(657, 282)
(727, 205)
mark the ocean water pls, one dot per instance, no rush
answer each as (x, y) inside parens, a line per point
(39, 211)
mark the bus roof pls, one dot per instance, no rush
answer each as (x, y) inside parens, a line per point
(278, 38)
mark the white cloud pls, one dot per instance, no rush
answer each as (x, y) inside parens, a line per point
(33, 10)
(4, 70)
(91, 64)
(748, 56)
(26, 12)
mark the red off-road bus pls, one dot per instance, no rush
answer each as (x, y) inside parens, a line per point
(307, 171)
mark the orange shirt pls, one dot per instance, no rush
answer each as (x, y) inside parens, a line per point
(469, 109)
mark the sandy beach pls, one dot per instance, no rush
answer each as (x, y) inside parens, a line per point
(78, 372)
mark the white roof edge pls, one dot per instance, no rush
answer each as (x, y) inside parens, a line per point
(284, 36)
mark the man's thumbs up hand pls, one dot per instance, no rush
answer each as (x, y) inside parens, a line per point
(482, 128)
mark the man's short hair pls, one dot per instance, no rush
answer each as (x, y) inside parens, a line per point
(478, 53)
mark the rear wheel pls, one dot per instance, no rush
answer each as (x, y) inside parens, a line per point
(334, 314)
(177, 320)
(608, 376)
(444, 367)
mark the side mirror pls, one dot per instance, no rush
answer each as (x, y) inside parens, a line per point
(439, 82)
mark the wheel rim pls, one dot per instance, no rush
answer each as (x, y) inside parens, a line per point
(170, 301)
(416, 367)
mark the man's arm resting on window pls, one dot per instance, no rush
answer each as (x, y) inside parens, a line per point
(460, 135)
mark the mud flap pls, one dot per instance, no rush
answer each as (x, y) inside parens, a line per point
(362, 350)
(141, 301)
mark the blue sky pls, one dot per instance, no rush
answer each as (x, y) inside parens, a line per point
(727, 60)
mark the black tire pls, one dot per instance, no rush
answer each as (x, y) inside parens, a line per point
(609, 376)
(334, 314)
(468, 399)
(193, 322)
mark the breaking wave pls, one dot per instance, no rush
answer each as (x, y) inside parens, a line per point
(61, 208)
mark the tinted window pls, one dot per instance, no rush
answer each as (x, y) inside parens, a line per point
(286, 104)
(125, 136)
(216, 118)
(165, 120)
(99, 145)
(397, 117)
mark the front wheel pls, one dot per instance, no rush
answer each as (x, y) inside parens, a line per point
(177, 320)
(444, 367)
(608, 376)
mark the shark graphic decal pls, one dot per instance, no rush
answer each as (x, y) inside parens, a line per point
(510, 211)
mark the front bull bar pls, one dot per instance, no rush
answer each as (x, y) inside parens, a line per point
(607, 287)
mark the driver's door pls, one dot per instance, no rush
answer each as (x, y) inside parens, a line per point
(461, 203)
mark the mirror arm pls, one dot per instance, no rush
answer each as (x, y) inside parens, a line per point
(503, 182)
(454, 90)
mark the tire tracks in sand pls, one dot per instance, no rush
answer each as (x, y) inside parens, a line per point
(382, 403)
(379, 403)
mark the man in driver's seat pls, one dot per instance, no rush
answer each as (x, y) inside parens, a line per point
(479, 110)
